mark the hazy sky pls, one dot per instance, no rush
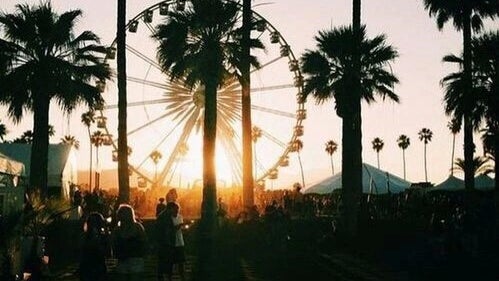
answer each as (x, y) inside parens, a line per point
(419, 68)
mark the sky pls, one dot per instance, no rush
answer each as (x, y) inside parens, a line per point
(419, 68)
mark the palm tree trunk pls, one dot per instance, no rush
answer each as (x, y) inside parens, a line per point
(377, 156)
(301, 169)
(425, 169)
(255, 163)
(97, 169)
(40, 145)
(91, 156)
(209, 205)
(332, 164)
(496, 167)
(352, 141)
(452, 154)
(248, 196)
(469, 147)
(123, 176)
(403, 160)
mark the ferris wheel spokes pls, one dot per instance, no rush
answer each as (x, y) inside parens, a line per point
(189, 125)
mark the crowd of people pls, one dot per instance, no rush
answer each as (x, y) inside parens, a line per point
(453, 222)
(125, 240)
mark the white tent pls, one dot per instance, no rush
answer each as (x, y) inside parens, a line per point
(11, 192)
(374, 181)
(61, 170)
(11, 167)
(452, 183)
(484, 182)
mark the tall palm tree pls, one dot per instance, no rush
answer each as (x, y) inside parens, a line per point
(403, 142)
(71, 140)
(88, 118)
(123, 171)
(484, 102)
(3, 131)
(155, 157)
(97, 140)
(245, 80)
(425, 136)
(42, 50)
(201, 47)
(454, 126)
(486, 63)
(331, 75)
(298, 146)
(331, 147)
(481, 165)
(378, 145)
(466, 15)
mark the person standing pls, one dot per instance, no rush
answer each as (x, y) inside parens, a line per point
(160, 207)
(171, 196)
(129, 244)
(178, 257)
(93, 249)
(165, 238)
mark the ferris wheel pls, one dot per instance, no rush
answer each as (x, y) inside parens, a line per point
(165, 117)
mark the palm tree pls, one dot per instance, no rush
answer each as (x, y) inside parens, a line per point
(490, 145)
(155, 157)
(425, 136)
(51, 131)
(331, 147)
(403, 142)
(486, 62)
(123, 171)
(42, 50)
(256, 133)
(3, 131)
(71, 140)
(298, 146)
(484, 102)
(88, 118)
(245, 80)
(466, 15)
(97, 139)
(455, 127)
(480, 165)
(201, 47)
(26, 137)
(331, 75)
(378, 145)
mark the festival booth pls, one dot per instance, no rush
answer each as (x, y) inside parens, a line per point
(374, 181)
(11, 187)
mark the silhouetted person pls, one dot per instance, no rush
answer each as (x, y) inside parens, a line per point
(93, 249)
(178, 257)
(171, 196)
(129, 243)
(160, 207)
(165, 237)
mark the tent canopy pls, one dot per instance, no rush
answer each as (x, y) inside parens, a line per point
(57, 158)
(482, 182)
(374, 181)
(11, 167)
